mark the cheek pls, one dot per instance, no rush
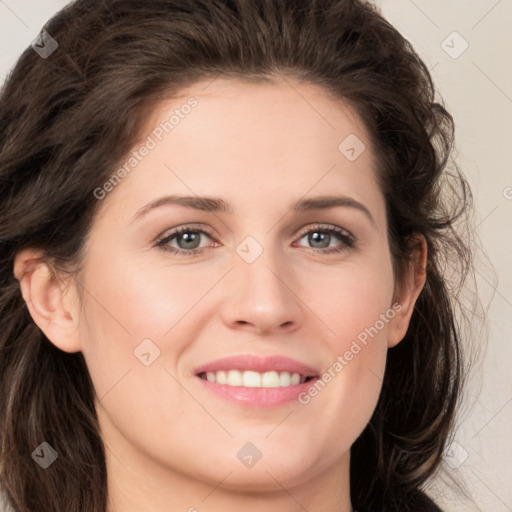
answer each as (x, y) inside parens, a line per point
(356, 305)
(128, 304)
(124, 306)
(133, 302)
(351, 299)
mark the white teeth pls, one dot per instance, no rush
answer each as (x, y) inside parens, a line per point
(270, 379)
(285, 379)
(252, 379)
(234, 378)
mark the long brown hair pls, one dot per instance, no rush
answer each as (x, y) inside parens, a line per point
(67, 120)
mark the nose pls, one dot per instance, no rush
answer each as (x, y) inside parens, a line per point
(261, 298)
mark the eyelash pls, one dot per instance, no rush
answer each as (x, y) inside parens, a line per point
(348, 241)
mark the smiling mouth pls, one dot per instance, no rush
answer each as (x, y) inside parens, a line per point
(253, 379)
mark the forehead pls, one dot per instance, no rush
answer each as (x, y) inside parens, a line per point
(233, 138)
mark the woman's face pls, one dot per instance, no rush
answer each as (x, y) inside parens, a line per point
(262, 271)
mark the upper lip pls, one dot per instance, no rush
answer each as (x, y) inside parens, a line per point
(258, 364)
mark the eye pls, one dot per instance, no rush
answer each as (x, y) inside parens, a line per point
(184, 241)
(328, 239)
(187, 240)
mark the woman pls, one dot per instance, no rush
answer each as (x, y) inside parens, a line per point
(224, 250)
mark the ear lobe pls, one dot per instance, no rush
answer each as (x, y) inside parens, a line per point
(50, 298)
(408, 291)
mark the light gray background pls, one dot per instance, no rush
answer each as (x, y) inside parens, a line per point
(477, 89)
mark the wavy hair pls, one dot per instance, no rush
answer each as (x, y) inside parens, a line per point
(68, 120)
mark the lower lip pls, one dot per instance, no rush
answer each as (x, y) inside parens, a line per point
(259, 397)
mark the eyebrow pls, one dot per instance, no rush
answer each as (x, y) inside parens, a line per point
(218, 205)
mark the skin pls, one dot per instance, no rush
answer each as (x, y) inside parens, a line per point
(171, 444)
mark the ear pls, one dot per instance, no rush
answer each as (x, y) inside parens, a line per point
(408, 290)
(51, 299)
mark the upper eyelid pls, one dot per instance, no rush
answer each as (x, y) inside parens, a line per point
(186, 227)
(324, 227)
